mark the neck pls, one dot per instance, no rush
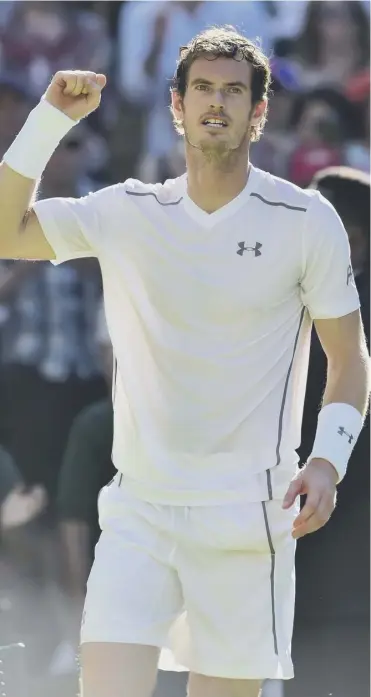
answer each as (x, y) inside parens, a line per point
(211, 186)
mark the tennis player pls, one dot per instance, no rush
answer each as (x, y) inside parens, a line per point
(211, 282)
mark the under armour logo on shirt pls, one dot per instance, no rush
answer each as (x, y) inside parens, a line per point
(343, 432)
(255, 249)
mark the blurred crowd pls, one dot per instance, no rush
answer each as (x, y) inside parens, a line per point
(55, 354)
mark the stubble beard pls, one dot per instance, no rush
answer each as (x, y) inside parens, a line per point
(218, 153)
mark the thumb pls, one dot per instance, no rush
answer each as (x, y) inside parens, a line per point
(293, 491)
(101, 80)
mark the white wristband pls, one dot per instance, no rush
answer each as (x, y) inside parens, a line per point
(338, 428)
(34, 145)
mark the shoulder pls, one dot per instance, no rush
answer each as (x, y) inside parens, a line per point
(164, 194)
(282, 194)
(114, 198)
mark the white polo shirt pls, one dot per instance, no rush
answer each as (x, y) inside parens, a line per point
(210, 318)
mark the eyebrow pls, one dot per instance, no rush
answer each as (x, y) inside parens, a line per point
(203, 81)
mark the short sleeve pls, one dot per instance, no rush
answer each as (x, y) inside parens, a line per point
(327, 283)
(72, 226)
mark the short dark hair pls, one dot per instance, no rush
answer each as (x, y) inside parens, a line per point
(226, 42)
(348, 190)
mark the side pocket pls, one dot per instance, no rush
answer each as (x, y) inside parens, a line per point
(101, 494)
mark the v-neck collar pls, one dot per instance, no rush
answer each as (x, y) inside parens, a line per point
(208, 220)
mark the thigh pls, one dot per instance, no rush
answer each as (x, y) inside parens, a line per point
(133, 593)
(115, 670)
(203, 686)
(239, 597)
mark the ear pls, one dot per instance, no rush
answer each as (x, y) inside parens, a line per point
(259, 111)
(177, 105)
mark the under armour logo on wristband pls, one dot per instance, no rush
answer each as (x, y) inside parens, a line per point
(343, 432)
(255, 249)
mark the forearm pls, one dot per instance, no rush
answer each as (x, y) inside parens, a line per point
(24, 163)
(348, 382)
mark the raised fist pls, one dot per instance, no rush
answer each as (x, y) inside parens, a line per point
(75, 92)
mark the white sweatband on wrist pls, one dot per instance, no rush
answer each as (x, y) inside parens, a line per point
(34, 145)
(338, 428)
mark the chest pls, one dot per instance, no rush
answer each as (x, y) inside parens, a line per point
(239, 265)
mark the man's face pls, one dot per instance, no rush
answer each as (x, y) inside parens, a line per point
(218, 89)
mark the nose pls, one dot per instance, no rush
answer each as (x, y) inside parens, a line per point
(218, 100)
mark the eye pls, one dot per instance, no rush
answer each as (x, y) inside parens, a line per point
(235, 90)
(202, 88)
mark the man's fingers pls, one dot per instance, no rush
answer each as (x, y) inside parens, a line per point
(80, 82)
(308, 510)
(101, 80)
(293, 492)
(316, 518)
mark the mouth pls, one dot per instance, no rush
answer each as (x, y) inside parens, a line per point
(215, 123)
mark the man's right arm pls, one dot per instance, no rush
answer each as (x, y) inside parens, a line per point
(71, 96)
(21, 235)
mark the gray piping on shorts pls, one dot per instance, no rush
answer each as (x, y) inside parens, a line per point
(272, 576)
(282, 409)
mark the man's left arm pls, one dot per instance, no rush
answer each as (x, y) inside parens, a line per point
(341, 418)
(329, 293)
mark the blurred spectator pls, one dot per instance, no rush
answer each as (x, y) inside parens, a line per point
(15, 104)
(272, 152)
(334, 47)
(40, 38)
(358, 149)
(47, 340)
(18, 505)
(321, 123)
(71, 171)
(341, 551)
(86, 468)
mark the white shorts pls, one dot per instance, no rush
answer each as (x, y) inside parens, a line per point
(214, 587)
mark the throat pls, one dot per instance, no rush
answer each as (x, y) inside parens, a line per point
(211, 192)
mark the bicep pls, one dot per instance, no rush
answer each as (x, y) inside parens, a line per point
(28, 242)
(31, 241)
